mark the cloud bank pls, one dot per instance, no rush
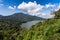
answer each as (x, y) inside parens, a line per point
(31, 7)
(34, 9)
(13, 8)
(49, 5)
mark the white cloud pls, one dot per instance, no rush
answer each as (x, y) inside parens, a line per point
(32, 8)
(46, 15)
(57, 7)
(50, 5)
(10, 7)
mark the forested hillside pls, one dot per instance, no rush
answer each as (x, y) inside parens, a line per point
(9, 31)
(46, 30)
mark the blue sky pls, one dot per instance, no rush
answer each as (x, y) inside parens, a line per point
(8, 7)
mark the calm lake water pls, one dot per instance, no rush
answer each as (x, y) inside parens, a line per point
(30, 23)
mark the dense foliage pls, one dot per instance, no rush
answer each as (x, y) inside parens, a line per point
(46, 30)
(57, 13)
(10, 30)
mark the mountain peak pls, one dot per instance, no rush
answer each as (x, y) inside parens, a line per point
(21, 17)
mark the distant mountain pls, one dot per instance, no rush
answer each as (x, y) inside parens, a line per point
(1, 16)
(20, 17)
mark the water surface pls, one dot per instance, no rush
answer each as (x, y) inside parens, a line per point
(30, 23)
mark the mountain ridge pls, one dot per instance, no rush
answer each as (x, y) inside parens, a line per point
(22, 16)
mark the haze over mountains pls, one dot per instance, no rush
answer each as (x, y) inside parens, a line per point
(21, 16)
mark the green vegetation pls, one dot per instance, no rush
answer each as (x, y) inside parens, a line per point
(10, 30)
(46, 30)
(57, 14)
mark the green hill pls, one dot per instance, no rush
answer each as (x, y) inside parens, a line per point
(47, 30)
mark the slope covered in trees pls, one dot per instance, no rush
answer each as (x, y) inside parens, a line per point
(9, 31)
(10, 28)
(46, 30)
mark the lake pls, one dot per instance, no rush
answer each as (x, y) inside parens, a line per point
(30, 23)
